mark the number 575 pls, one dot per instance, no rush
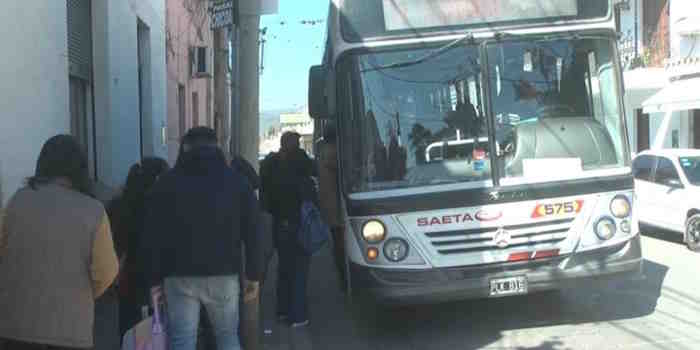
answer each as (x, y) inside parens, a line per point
(559, 208)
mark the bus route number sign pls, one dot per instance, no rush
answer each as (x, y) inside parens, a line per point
(557, 209)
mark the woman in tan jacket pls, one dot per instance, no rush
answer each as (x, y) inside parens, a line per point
(56, 255)
(328, 198)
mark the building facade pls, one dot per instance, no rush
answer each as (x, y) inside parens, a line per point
(299, 122)
(654, 44)
(91, 68)
(189, 57)
(676, 108)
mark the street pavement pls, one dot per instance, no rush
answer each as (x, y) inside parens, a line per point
(659, 312)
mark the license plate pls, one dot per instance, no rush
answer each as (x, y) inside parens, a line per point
(508, 286)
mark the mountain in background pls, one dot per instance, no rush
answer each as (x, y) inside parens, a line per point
(271, 119)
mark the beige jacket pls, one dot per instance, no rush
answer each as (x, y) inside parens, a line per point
(328, 184)
(56, 258)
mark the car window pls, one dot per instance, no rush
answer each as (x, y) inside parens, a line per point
(691, 168)
(665, 171)
(642, 167)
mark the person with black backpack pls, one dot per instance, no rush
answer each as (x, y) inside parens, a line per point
(286, 184)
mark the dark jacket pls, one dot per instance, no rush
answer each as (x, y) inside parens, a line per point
(127, 220)
(285, 182)
(241, 165)
(197, 216)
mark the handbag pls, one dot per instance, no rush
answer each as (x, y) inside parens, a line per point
(313, 232)
(151, 332)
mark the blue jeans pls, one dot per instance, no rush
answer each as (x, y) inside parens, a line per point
(292, 275)
(219, 297)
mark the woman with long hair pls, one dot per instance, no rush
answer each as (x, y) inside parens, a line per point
(127, 213)
(56, 254)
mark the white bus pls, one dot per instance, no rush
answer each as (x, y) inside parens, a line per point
(483, 150)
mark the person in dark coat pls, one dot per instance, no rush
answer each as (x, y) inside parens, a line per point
(126, 214)
(202, 211)
(285, 178)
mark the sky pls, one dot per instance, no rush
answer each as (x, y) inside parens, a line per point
(291, 48)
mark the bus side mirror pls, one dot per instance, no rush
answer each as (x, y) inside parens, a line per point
(318, 98)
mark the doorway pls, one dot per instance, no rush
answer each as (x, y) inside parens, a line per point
(143, 47)
(195, 109)
(642, 131)
(182, 121)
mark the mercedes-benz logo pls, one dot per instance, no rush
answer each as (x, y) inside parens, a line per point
(495, 195)
(502, 238)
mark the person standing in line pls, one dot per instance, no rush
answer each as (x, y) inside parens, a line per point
(56, 254)
(197, 214)
(126, 213)
(328, 198)
(285, 176)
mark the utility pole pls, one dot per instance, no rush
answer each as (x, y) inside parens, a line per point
(235, 86)
(247, 121)
(222, 116)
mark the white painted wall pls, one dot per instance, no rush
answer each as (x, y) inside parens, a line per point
(34, 85)
(680, 123)
(117, 86)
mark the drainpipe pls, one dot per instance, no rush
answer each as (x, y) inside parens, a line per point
(636, 28)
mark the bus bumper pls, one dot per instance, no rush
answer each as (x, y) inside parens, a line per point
(392, 286)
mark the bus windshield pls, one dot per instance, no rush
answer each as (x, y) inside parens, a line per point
(555, 102)
(556, 105)
(417, 124)
(374, 19)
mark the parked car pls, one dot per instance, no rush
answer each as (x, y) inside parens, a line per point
(667, 191)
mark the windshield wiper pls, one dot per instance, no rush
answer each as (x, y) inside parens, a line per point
(435, 53)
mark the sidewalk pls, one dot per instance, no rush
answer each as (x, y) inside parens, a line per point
(326, 304)
(327, 311)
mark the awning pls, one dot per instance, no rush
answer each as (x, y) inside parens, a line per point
(679, 95)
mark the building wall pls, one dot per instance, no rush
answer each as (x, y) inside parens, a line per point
(34, 91)
(34, 85)
(186, 29)
(642, 83)
(118, 124)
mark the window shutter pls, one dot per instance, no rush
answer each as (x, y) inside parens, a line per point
(79, 38)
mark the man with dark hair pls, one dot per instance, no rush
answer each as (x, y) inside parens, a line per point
(285, 177)
(197, 216)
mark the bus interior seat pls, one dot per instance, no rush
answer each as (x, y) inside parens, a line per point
(571, 137)
(446, 170)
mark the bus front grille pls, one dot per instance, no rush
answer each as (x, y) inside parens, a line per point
(482, 239)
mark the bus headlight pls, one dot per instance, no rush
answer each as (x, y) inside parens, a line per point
(373, 231)
(396, 249)
(605, 228)
(620, 207)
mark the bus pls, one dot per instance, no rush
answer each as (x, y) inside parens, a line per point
(482, 146)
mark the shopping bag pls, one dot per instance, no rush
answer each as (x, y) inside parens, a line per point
(150, 333)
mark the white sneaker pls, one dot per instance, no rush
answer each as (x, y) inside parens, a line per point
(300, 324)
